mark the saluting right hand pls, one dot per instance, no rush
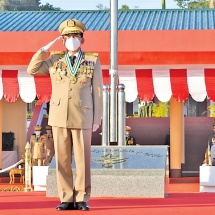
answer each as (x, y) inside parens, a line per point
(49, 45)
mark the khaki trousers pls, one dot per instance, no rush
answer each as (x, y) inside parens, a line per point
(79, 141)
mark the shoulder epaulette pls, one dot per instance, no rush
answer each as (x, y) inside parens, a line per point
(57, 52)
(91, 53)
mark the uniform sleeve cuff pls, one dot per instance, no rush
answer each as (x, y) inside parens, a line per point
(44, 50)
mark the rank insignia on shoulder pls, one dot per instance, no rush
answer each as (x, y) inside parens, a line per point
(57, 52)
(91, 53)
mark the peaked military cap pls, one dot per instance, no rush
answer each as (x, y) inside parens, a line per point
(48, 127)
(37, 128)
(127, 128)
(71, 26)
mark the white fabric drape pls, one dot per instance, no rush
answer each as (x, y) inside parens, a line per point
(128, 78)
(162, 85)
(27, 88)
(196, 84)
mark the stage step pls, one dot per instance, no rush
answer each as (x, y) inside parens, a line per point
(7, 180)
(184, 180)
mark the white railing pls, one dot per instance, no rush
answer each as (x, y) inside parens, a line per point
(12, 166)
(42, 112)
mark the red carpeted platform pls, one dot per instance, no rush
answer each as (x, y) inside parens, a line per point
(184, 198)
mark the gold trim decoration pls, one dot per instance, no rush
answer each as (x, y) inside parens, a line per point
(57, 52)
(71, 23)
(109, 160)
(70, 30)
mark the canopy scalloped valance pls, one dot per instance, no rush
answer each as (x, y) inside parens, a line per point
(145, 83)
(164, 83)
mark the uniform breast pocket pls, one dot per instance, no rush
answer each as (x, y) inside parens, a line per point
(86, 106)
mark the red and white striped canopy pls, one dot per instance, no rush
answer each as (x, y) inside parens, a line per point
(164, 83)
(145, 83)
(15, 83)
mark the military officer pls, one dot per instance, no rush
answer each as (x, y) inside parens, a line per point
(75, 110)
(130, 140)
(37, 141)
(210, 151)
(49, 146)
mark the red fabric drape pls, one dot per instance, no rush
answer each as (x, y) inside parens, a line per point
(106, 76)
(210, 83)
(145, 84)
(10, 85)
(178, 79)
(43, 88)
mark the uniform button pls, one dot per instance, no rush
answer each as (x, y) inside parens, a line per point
(70, 89)
(69, 97)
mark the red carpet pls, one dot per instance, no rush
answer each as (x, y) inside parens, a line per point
(183, 198)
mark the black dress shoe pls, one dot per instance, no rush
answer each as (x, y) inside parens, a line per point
(82, 206)
(66, 206)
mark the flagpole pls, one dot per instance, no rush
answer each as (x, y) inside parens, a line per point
(113, 68)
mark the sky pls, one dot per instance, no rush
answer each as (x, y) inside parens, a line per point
(91, 4)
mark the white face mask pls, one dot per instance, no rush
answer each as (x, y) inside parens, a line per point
(37, 133)
(72, 44)
(48, 131)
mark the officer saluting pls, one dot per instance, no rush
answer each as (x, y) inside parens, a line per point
(75, 110)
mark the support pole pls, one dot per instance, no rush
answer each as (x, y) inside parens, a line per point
(105, 116)
(121, 115)
(113, 70)
(176, 138)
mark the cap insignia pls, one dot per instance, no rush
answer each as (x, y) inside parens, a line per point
(70, 23)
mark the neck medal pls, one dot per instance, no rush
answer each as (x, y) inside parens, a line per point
(74, 69)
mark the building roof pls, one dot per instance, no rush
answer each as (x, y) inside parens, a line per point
(165, 63)
(189, 19)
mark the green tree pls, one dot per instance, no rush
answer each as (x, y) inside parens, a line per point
(48, 7)
(102, 7)
(24, 5)
(124, 7)
(20, 5)
(193, 3)
(161, 109)
(2, 3)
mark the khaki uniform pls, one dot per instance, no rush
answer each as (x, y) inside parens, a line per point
(38, 149)
(74, 107)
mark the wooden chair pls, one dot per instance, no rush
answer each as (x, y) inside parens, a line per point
(17, 171)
